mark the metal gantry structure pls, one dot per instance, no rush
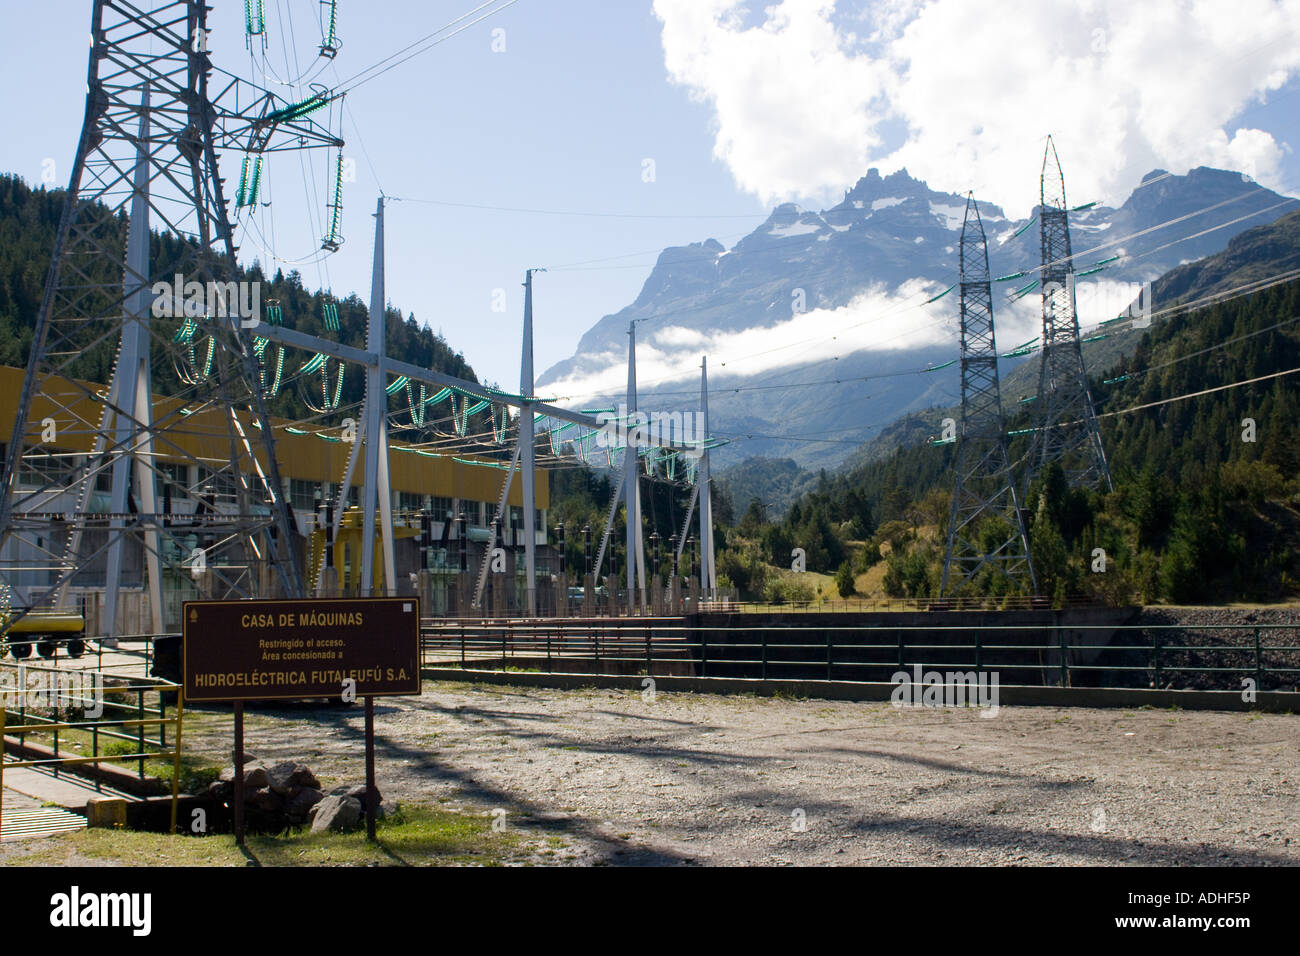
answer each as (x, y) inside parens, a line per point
(379, 367)
(156, 114)
(528, 449)
(1067, 431)
(708, 556)
(635, 553)
(986, 526)
(144, 277)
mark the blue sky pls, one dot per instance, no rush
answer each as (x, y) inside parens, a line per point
(562, 120)
(737, 106)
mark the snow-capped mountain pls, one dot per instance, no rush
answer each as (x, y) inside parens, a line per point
(818, 324)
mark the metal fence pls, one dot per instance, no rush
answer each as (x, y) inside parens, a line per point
(618, 604)
(67, 710)
(1162, 656)
(824, 605)
(73, 716)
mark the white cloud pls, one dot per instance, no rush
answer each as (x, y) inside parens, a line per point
(803, 104)
(876, 321)
(792, 104)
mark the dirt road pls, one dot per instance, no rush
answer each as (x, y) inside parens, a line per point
(696, 779)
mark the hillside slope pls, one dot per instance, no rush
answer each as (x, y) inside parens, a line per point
(28, 221)
(1199, 428)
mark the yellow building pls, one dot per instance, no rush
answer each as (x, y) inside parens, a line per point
(312, 461)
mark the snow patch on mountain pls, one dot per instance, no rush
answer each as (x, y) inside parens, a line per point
(952, 216)
(795, 229)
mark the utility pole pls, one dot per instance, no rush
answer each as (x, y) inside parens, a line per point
(527, 441)
(985, 485)
(632, 484)
(376, 488)
(1067, 422)
(708, 567)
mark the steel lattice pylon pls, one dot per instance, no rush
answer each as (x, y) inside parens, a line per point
(95, 463)
(985, 489)
(1067, 429)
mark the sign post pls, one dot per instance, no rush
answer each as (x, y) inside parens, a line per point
(241, 651)
(239, 772)
(372, 808)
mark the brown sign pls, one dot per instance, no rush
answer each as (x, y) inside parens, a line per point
(279, 650)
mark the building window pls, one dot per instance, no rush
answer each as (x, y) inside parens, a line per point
(176, 474)
(218, 485)
(302, 495)
(408, 501)
(442, 508)
(37, 469)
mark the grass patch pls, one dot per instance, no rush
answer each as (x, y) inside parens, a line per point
(195, 773)
(788, 695)
(411, 836)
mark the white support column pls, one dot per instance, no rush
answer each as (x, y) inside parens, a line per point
(632, 485)
(132, 396)
(374, 488)
(146, 489)
(640, 538)
(708, 567)
(527, 442)
(119, 473)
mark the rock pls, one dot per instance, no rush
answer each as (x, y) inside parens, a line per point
(279, 777)
(288, 776)
(255, 777)
(356, 792)
(265, 799)
(222, 789)
(336, 812)
(303, 804)
(303, 777)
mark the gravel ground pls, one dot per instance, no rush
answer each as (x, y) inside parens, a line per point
(704, 779)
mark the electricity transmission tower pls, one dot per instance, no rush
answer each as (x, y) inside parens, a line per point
(984, 500)
(1067, 422)
(103, 487)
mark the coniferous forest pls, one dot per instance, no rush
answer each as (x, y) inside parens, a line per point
(1206, 500)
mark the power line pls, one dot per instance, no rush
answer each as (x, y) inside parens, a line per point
(1229, 296)
(584, 214)
(1204, 391)
(1224, 344)
(1212, 348)
(906, 305)
(358, 79)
